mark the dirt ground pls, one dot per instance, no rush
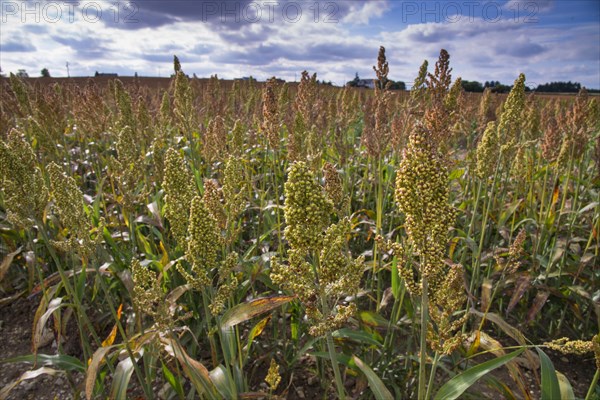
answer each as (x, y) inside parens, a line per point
(16, 321)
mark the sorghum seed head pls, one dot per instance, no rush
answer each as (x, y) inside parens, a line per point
(179, 189)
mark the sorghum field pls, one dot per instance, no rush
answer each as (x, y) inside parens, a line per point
(248, 240)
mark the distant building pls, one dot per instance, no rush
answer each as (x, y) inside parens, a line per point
(107, 74)
(366, 83)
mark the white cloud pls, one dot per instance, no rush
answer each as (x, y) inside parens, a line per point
(361, 14)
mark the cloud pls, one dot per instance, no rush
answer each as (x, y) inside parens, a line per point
(318, 52)
(232, 15)
(369, 10)
(520, 47)
(86, 48)
(529, 6)
(13, 46)
(136, 15)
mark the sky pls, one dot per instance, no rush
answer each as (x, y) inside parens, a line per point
(548, 40)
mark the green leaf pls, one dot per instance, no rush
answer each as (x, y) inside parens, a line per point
(245, 311)
(341, 358)
(60, 361)
(358, 336)
(373, 319)
(395, 278)
(550, 388)
(461, 382)
(457, 173)
(173, 381)
(508, 212)
(375, 383)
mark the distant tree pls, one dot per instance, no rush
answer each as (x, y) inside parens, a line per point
(22, 73)
(472, 86)
(496, 87)
(559, 87)
(135, 75)
(45, 73)
(397, 85)
(354, 82)
(492, 84)
(324, 83)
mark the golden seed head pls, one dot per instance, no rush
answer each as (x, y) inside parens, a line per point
(273, 378)
(323, 325)
(149, 299)
(235, 189)
(339, 274)
(183, 104)
(179, 190)
(511, 264)
(596, 348)
(487, 152)
(511, 120)
(203, 243)
(69, 205)
(566, 346)
(147, 293)
(306, 208)
(228, 283)
(444, 329)
(212, 200)
(25, 193)
(422, 195)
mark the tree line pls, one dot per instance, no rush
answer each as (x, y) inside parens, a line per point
(468, 86)
(552, 87)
